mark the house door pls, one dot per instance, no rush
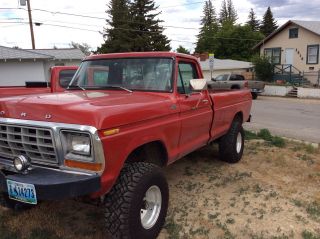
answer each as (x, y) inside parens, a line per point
(289, 54)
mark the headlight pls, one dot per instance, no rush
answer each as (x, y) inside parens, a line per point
(77, 145)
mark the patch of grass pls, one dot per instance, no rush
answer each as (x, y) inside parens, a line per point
(265, 134)
(257, 188)
(230, 221)
(199, 231)
(249, 135)
(172, 228)
(313, 209)
(278, 142)
(297, 202)
(309, 235)
(310, 149)
(213, 216)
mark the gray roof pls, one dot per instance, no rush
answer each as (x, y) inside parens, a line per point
(7, 53)
(62, 54)
(227, 64)
(313, 26)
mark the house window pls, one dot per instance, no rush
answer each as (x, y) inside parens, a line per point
(274, 54)
(293, 33)
(312, 54)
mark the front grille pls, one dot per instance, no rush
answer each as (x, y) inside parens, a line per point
(37, 143)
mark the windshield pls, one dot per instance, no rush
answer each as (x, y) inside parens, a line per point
(222, 77)
(147, 74)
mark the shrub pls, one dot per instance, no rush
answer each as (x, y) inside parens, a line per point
(263, 68)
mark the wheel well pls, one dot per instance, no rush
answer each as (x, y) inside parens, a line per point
(154, 152)
(239, 116)
(235, 87)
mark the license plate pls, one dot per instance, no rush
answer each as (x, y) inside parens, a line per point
(22, 192)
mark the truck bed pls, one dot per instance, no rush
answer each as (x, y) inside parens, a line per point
(226, 104)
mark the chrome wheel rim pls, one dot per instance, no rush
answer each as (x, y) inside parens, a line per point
(150, 211)
(239, 143)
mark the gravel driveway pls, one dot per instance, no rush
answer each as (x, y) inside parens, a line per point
(289, 117)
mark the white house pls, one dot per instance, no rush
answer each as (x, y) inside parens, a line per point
(19, 65)
(223, 66)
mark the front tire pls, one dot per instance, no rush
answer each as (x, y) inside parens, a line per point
(254, 95)
(231, 145)
(136, 206)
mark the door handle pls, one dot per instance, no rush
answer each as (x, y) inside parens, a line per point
(205, 101)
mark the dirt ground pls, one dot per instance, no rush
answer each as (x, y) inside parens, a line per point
(272, 193)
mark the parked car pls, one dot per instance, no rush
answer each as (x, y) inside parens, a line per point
(125, 117)
(237, 81)
(59, 80)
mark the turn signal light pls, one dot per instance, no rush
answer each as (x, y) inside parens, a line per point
(82, 165)
(111, 132)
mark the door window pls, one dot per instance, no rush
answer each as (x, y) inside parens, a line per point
(187, 72)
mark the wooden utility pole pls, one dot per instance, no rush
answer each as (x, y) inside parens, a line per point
(31, 25)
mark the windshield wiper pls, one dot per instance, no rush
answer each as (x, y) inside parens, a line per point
(118, 87)
(108, 87)
(75, 87)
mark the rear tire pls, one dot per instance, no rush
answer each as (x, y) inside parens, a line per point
(254, 96)
(231, 145)
(136, 206)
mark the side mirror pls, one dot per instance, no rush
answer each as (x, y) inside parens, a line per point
(198, 84)
(213, 79)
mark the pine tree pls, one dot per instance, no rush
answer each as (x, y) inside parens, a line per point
(253, 22)
(181, 49)
(208, 30)
(228, 14)
(269, 24)
(117, 36)
(147, 34)
(223, 16)
(232, 13)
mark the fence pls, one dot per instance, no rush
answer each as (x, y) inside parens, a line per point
(312, 76)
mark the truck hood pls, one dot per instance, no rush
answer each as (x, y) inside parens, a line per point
(101, 109)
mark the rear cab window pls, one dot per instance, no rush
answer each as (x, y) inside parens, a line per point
(65, 77)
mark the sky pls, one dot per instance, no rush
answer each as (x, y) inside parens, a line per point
(181, 20)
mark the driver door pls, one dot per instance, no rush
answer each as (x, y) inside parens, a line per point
(195, 109)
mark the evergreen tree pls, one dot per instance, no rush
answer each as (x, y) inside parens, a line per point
(117, 37)
(228, 14)
(269, 24)
(253, 22)
(147, 34)
(208, 29)
(181, 49)
(232, 13)
(223, 16)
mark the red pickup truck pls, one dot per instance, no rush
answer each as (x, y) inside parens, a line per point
(125, 117)
(60, 78)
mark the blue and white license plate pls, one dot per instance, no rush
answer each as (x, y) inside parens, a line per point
(22, 192)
